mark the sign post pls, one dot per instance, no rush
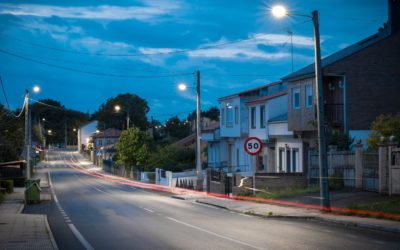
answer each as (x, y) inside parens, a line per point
(253, 147)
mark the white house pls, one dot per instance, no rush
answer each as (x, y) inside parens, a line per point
(85, 132)
(254, 113)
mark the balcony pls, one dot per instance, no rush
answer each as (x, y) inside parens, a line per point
(334, 114)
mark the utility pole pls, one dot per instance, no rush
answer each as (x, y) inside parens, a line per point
(291, 46)
(27, 141)
(127, 119)
(323, 164)
(198, 135)
(65, 134)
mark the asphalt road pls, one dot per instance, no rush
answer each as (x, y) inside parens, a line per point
(89, 212)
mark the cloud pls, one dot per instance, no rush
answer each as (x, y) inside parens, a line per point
(147, 12)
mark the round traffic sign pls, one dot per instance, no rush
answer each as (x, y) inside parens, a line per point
(253, 145)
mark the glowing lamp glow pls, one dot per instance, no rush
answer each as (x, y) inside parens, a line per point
(279, 11)
(36, 89)
(182, 87)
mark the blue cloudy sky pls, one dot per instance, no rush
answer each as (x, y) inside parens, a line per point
(83, 52)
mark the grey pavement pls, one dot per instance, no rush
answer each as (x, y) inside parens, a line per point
(269, 210)
(22, 231)
(113, 215)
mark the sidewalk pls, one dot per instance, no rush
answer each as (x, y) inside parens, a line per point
(23, 231)
(274, 211)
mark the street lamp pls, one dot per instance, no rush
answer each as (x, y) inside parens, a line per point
(280, 11)
(183, 87)
(36, 89)
(117, 108)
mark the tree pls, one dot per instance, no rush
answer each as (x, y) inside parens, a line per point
(386, 126)
(177, 129)
(172, 158)
(134, 148)
(56, 117)
(135, 106)
(11, 136)
(212, 114)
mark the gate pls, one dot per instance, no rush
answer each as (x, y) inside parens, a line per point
(394, 168)
(371, 171)
(228, 185)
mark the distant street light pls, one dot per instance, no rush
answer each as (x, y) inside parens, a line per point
(97, 131)
(44, 119)
(117, 108)
(74, 129)
(280, 11)
(183, 87)
(49, 131)
(36, 89)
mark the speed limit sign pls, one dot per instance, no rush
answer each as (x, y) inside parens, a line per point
(253, 145)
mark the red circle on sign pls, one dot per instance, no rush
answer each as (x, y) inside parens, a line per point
(253, 145)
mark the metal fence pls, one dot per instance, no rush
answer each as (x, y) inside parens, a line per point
(229, 169)
(371, 171)
(341, 169)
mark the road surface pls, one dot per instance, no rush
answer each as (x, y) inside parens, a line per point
(90, 212)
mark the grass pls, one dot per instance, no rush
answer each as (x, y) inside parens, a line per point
(392, 206)
(283, 193)
(286, 193)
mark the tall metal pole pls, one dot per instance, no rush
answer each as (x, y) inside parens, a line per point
(323, 164)
(127, 120)
(27, 142)
(65, 134)
(198, 135)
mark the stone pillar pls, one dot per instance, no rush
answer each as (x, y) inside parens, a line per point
(208, 179)
(383, 167)
(358, 165)
(392, 145)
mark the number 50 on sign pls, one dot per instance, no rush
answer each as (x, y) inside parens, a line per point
(253, 145)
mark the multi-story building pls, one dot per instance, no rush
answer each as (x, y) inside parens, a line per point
(261, 113)
(360, 82)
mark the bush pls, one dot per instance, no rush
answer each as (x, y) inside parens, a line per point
(19, 181)
(8, 185)
(384, 125)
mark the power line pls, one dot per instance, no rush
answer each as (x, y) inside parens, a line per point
(89, 72)
(4, 92)
(177, 51)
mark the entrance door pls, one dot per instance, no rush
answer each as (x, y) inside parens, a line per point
(229, 156)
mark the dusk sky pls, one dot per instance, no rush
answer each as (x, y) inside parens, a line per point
(83, 52)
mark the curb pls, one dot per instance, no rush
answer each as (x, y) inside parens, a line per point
(53, 241)
(316, 218)
(21, 208)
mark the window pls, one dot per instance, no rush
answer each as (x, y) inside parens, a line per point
(99, 142)
(262, 116)
(223, 116)
(229, 116)
(288, 165)
(236, 115)
(281, 155)
(296, 98)
(253, 117)
(108, 141)
(295, 160)
(309, 101)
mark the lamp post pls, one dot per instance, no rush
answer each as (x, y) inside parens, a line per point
(280, 11)
(117, 108)
(36, 89)
(183, 87)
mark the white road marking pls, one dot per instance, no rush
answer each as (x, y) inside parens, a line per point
(73, 229)
(214, 234)
(79, 236)
(149, 210)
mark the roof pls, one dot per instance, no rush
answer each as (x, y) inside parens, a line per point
(108, 133)
(250, 90)
(340, 55)
(266, 98)
(279, 118)
(211, 128)
(188, 140)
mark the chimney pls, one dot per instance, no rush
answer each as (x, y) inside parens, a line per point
(394, 15)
